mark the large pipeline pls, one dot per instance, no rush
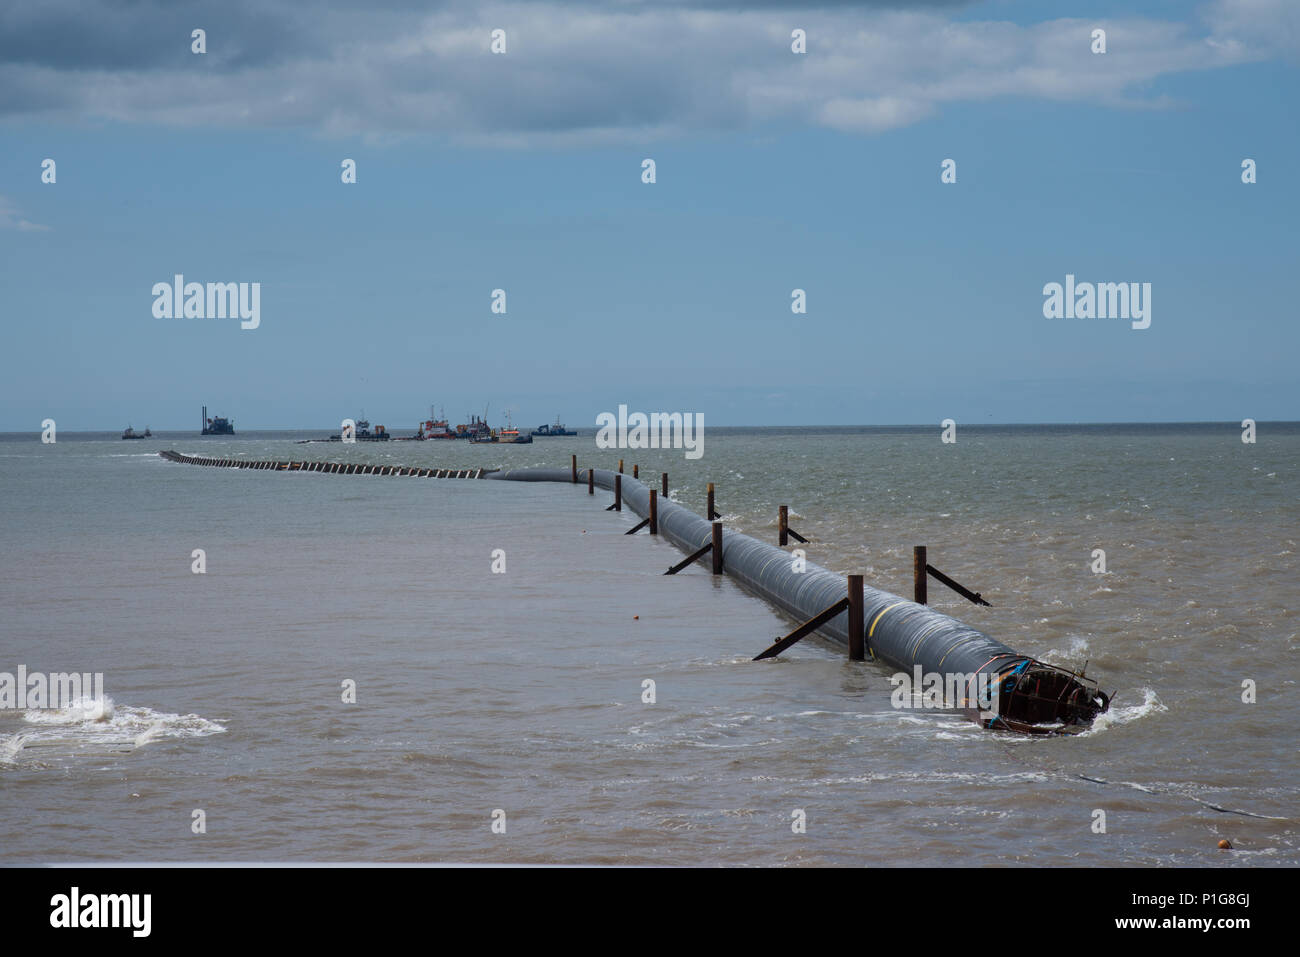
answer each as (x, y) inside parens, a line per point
(1028, 695)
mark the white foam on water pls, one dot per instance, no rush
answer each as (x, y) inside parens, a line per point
(10, 747)
(1077, 651)
(80, 711)
(89, 726)
(1116, 716)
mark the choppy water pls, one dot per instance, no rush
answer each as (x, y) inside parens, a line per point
(523, 691)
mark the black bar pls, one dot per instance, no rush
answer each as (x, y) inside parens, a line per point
(959, 589)
(693, 557)
(804, 630)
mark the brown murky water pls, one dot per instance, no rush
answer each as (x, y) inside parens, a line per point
(523, 692)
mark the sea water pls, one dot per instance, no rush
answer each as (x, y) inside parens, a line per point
(596, 711)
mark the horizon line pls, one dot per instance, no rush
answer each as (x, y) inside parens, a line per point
(330, 430)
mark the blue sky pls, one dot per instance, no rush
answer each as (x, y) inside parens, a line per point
(522, 172)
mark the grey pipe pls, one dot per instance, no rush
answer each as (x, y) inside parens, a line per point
(1032, 696)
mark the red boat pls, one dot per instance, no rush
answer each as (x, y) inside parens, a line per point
(435, 428)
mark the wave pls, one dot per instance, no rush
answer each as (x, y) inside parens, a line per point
(10, 747)
(89, 726)
(1116, 716)
(81, 710)
(1077, 651)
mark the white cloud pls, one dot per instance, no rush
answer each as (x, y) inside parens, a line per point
(579, 73)
(1268, 26)
(10, 218)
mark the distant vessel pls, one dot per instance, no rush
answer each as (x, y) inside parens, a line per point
(475, 429)
(131, 433)
(363, 433)
(480, 437)
(556, 429)
(511, 435)
(435, 428)
(217, 425)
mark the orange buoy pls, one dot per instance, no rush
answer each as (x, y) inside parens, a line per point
(1225, 845)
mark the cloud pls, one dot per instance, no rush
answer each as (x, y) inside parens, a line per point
(1269, 26)
(11, 219)
(579, 72)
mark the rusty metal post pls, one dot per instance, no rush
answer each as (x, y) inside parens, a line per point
(654, 512)
(857, 623)
(636, 471)
(710, 513)
(620, 466)
(573, 464)
(618, 492)
(665, 483)
(783, 524)
(591, 481)
(918, 574)
(717, 548)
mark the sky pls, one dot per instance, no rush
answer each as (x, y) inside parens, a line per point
(523, 171)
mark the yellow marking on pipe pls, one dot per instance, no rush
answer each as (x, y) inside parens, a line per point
(872, 630)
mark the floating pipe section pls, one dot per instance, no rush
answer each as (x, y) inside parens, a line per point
(340, 468)
(1021, 693)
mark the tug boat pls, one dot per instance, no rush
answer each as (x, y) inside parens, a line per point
(556, 429)
(363, 433)
(511, 435)
(131, 433)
